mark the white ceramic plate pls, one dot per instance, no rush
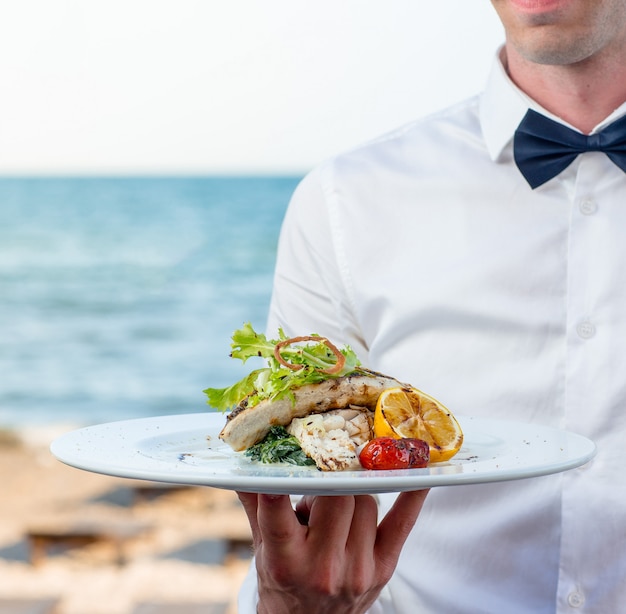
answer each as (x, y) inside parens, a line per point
(185, 449)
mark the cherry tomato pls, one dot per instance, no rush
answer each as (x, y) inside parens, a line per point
(389, 453)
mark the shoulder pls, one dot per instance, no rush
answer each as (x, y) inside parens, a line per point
(429, 146)
(463, 115)
(409, 148)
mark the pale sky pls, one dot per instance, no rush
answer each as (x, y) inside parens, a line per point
(214, 86)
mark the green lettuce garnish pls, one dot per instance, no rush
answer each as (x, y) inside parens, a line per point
(276, 380)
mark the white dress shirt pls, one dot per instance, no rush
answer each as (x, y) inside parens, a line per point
(431, 256)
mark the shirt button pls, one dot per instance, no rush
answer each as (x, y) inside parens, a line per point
(576, 599)
(586, 330)
(588, 206)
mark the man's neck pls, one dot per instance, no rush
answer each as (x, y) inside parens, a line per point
(582, 94)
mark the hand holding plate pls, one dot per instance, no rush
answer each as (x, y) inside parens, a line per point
(328, 555)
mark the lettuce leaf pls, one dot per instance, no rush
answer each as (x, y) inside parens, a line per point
(276, 380)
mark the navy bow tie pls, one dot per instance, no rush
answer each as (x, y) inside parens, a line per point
(543, 148)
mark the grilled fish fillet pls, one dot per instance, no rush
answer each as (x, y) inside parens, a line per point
(246, 426)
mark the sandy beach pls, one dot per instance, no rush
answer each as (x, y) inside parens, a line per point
(140, 542)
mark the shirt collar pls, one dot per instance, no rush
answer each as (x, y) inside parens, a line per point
(503, 105)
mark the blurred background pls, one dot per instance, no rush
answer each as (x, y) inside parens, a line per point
(148, 149)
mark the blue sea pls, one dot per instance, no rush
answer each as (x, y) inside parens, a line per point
(118, 296)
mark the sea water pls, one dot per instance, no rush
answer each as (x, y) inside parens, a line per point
(118, 296)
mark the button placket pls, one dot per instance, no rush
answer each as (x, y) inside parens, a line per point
(585, 227)
(595, 256)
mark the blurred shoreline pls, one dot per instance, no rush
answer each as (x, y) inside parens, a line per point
(191, 546)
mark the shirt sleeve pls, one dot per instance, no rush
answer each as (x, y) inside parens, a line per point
(311, 292)
(248, 597)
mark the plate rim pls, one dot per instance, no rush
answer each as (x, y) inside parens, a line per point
(335, 483)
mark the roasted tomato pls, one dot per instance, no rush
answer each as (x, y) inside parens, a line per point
(389, 453)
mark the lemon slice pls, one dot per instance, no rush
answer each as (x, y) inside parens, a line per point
(408, 412)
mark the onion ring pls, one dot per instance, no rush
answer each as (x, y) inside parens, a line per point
(336, 368)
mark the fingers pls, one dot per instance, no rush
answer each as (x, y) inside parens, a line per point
(363, 531)
(279, 529)
(340, 537)
(333, 521)
(330, 520)
(272, 521)
(331, 528)
(396, 526)
(317, 519)
(249, 503)
(330, 551)
(303, 509)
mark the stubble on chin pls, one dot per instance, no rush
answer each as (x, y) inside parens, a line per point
(559, 39)
(550, 54)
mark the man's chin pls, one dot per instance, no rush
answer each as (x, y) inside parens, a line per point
(549, 47)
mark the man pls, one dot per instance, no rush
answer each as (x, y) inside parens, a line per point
(502, 292)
